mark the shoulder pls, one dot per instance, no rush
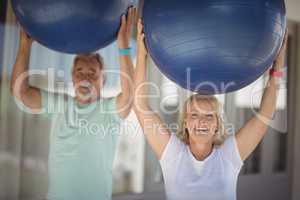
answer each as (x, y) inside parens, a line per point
(229, 151)
(108, 106)
(54, 97)
(54, 103)
(172, 151)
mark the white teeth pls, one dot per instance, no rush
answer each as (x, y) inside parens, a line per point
(202, 129)
(85, 84)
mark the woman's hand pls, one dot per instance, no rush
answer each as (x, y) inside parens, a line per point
(126, 29)
(25, 40)
(141, 39)
(280, 60)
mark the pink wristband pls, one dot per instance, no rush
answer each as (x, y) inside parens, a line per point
(274, 73)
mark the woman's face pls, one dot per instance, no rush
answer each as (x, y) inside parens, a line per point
(201, 121)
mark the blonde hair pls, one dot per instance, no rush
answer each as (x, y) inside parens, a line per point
(88, 57)
(220, 135)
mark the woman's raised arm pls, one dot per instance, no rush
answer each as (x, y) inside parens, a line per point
(154, 129)
(249, 136)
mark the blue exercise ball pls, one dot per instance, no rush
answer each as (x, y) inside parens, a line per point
(214, 46)
(71, 26)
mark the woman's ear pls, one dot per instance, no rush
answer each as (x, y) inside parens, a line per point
(217, 130)
(218, 123)
(185, 125)
(186, 130)
(187, 136)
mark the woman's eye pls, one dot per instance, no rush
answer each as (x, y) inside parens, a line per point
(210, 116)
(194, 115)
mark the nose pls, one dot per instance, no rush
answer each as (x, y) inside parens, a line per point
(202, 120)
(85, 77)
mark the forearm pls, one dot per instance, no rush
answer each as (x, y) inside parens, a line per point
(141, 88)
(249, 136)
(20, 88)
(154, 128)
(19, 80)
(127, 75)
(269, 99)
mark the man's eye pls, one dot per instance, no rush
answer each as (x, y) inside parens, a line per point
(79, 74)
(93, 75)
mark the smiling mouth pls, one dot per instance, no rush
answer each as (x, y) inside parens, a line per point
(85, 84)
(85, 87)
(202, 130)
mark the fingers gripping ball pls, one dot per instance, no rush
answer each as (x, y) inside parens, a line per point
(214, 46)
(71, 26)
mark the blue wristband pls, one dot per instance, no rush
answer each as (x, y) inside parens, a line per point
(125, 51)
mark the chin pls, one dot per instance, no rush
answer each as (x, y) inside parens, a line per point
(84, 96)
(203, 138)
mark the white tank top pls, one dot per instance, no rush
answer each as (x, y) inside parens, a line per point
(197, 165)
(215, 178)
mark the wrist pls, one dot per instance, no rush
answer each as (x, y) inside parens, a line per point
(276, 73)
(278, 64)
(125, 51)
(142, 53)
(25, 44)
(142, 57)
(123, 45)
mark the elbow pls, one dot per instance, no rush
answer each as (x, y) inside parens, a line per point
(265, 116)
(16, 90)
(12, 88)
(262, 123)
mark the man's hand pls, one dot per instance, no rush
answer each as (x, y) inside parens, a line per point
(124, 99)
(126, 28)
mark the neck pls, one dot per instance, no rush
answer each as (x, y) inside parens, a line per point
(201, 151)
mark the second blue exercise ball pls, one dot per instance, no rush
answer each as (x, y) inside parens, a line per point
(214, 46)
(71, 26)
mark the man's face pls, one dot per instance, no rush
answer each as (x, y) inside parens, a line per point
(87, 79)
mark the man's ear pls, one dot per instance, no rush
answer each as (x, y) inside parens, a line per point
(72, 70)
(104, 78)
